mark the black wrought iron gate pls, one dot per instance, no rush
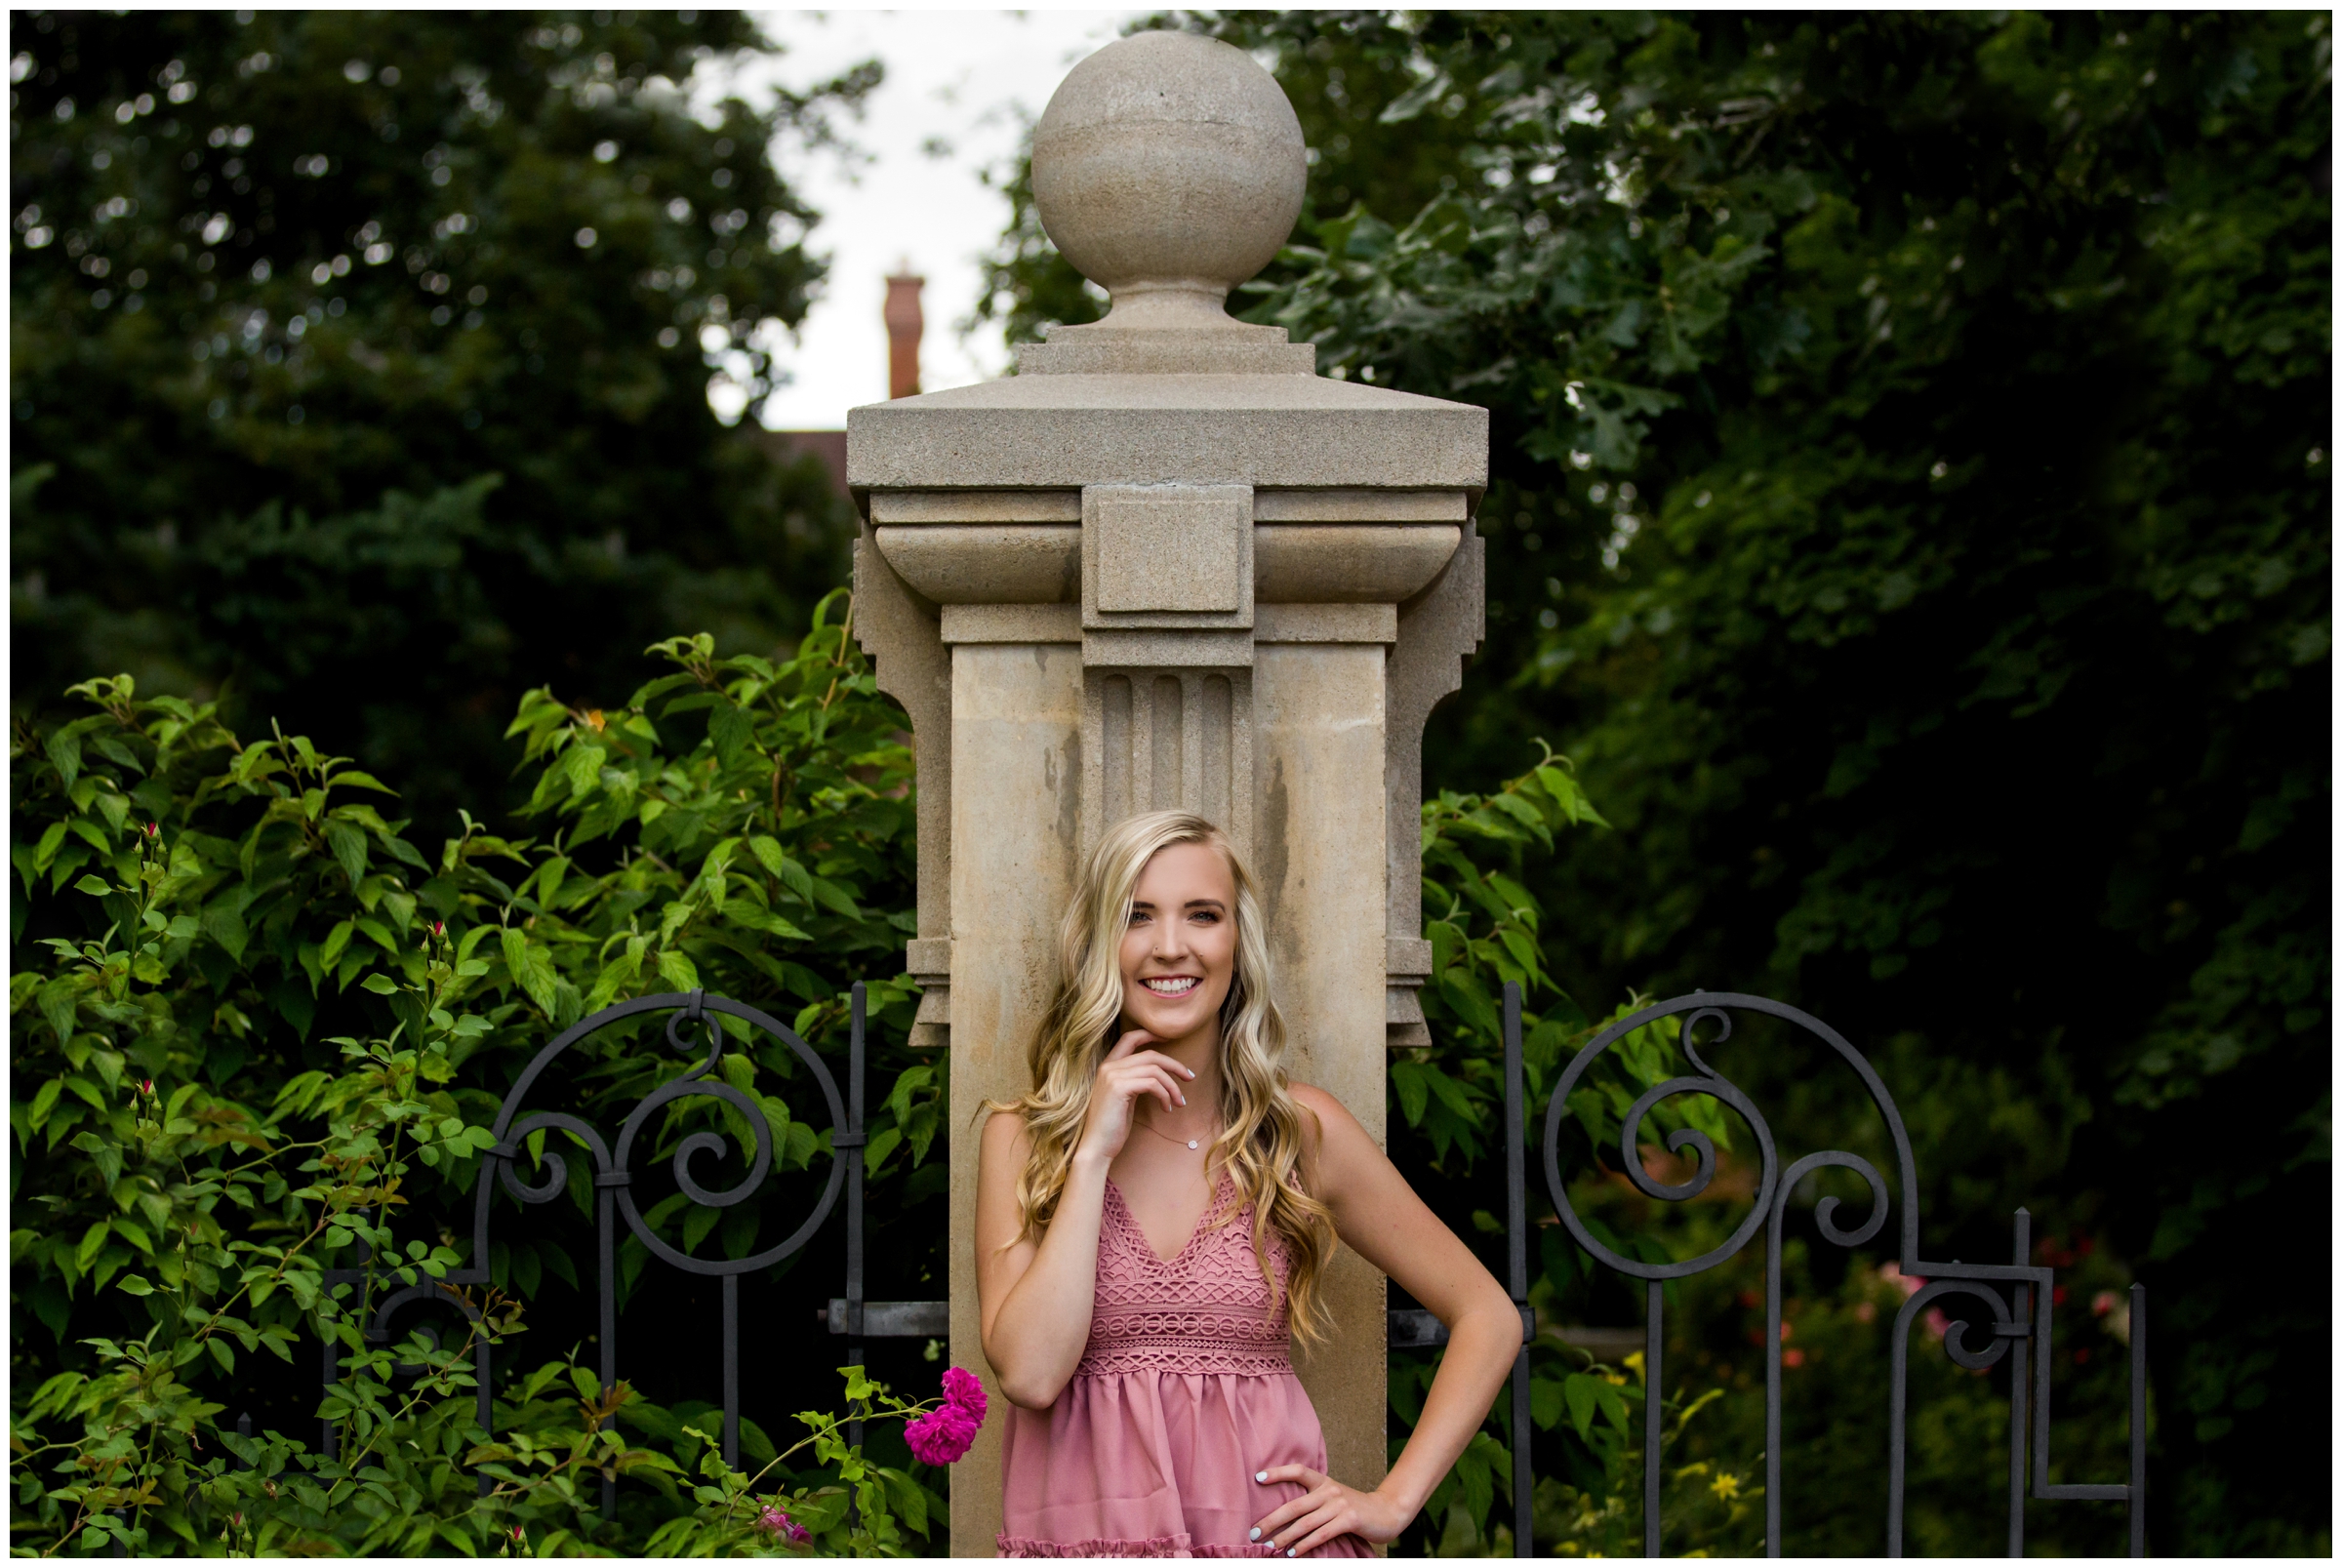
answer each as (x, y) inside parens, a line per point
(2019, 1321)
(2018, 1325)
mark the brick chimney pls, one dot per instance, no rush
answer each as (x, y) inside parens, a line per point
(902, 325)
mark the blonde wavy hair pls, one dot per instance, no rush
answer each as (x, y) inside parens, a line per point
(1260, 1144)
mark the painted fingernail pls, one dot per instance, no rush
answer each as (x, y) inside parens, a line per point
(1289, 1550)
(1262, 1477)
(1256, 1533)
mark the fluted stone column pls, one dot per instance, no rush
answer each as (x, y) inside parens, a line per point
(1167, 564)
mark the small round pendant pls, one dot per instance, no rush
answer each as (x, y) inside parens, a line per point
(1195, 1143)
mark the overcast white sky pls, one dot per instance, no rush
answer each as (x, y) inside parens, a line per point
(953, 79)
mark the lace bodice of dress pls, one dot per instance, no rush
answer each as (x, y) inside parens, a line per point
(1207, 1311)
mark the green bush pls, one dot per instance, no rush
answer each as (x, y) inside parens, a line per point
(258, 1034)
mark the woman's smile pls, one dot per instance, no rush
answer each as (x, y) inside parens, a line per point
(1179, 949)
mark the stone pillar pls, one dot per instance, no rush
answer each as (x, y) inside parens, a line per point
(1168, 564)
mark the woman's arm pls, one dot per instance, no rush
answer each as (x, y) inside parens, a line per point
(1034, 1347)
(1034, 1299)
(1382, 1219)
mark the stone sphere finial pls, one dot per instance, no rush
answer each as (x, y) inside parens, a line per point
(1168, 167)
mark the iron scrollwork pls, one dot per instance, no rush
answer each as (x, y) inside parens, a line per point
(2012, 1323)
(502, 1166)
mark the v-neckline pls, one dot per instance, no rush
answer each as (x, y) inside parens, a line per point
(1210, 1208)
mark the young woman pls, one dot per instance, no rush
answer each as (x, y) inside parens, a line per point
(1154, 1223)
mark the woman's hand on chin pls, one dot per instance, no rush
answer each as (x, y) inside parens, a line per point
(1127, 1076)
(1327, 1510)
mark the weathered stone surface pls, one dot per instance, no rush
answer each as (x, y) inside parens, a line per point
(1182, 550)
(1040, 563)
(1012, 622)
(1168, 739)
(1016, 738)
(916, 506)
(1324, 622)
(987, 562)
(1437, 631)
(1352, 505)
(1155, 557)
(1170, 649)
(1055, 432)
(1093, 350)
(1318, 753)
(1168, 167)
(914, 669)
(1349, 563)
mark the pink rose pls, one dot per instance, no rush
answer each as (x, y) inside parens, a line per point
(940, 1436)
(963, 1389)
(777, 1520)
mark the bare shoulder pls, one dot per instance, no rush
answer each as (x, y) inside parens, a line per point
(1330, 1124)
(1322, 1104)
(1340, 1161)
(1005, 1139)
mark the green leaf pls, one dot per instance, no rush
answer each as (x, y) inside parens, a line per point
(348, 841)
(223, 923)
(95, 887)
(730, 729)
(769, 854)
(530, 969)
(1546, 1402)
(581, 766)
(352, 779)
(1413, 1089)
(132, 1285)
(1583, 1393)
(381, 985)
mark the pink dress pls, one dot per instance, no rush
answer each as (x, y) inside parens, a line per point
(1184, 1389)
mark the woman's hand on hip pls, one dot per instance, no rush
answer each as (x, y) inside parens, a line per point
(1327, 1510)
(1128, 1074)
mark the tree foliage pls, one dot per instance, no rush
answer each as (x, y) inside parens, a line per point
(361, 362)
(1909, 508)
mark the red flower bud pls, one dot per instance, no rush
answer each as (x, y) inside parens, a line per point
(146, 1086)
(154, 829)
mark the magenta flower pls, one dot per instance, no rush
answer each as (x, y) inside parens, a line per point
(777, 1520)
(965, 1389)
(940, 1436)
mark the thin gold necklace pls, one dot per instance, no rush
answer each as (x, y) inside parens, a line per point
(1192, 1143)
